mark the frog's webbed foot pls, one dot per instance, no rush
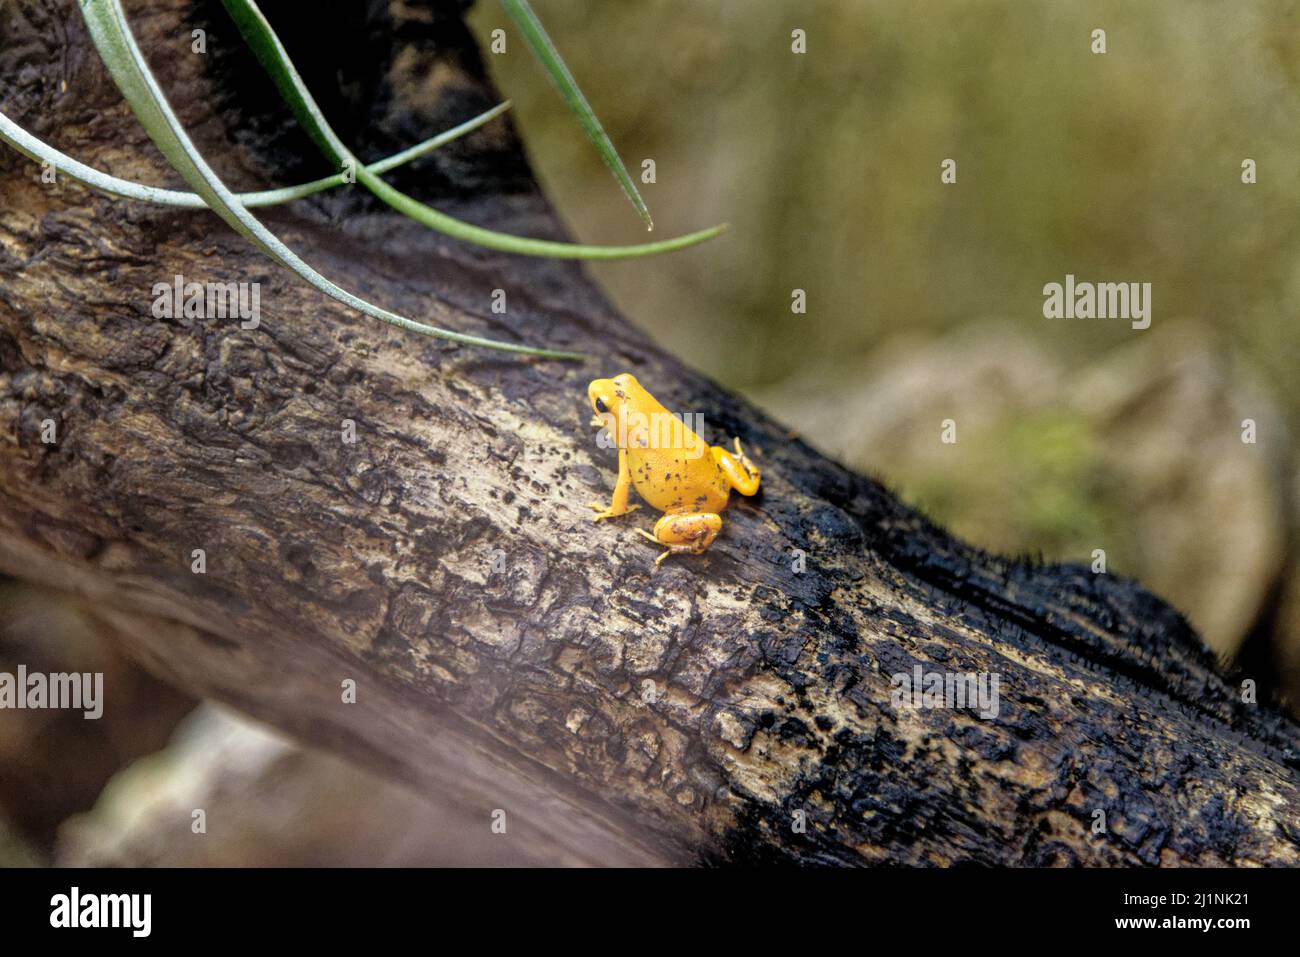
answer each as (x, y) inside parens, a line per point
(604, 511)
(684, 533)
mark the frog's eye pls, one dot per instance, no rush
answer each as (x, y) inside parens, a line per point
(601, 406)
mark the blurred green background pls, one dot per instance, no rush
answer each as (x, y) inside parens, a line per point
(1121, 166)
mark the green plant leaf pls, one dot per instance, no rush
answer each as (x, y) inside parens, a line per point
(117, 47)
(266, 45)
(547, 54)
(41, 152)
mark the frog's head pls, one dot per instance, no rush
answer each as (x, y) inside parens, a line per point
(608, 397)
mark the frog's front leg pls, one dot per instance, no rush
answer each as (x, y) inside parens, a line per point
(685, 533)
(618, 501)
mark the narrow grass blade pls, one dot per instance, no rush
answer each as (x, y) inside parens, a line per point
(118, 49)
(266, 45)
(41, 152)
(547, 54)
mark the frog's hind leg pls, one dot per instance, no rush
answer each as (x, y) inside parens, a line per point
(742, 474)
(684, 533)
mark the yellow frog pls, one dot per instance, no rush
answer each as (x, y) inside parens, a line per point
(671, 467)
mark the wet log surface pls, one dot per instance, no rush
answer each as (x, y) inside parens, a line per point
(503, 646)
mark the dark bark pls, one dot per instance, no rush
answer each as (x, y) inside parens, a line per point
(522, 689)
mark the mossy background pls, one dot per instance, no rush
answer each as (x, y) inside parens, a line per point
(1062, 505)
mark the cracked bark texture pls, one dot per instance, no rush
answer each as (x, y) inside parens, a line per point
(523, 689)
